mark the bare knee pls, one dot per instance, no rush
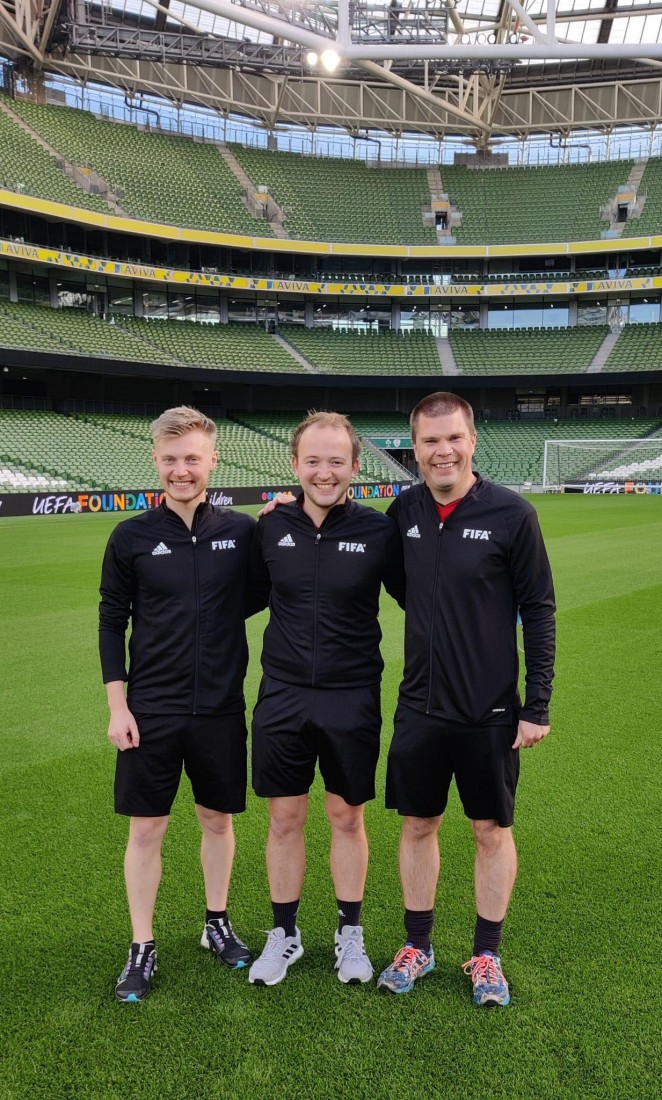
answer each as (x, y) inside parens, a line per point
(213, 821)
(287, 816)
(419, 828)
(490, 837)
(145, 832)
(344, 818)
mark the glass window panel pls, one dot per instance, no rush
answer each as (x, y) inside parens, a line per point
(155, 303)
(642, 313)
(242, 309)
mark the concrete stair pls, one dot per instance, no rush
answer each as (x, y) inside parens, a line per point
(291, 350)
(446, 357)
(269, 211)
(602, 354)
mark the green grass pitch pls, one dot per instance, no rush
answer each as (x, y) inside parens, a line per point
(581, 948)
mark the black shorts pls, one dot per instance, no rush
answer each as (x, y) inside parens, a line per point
(426, 753)
(295, 726)
(210, 747)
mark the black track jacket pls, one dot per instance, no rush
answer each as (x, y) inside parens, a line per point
(185, 593)
(323, 629)
(466, 579)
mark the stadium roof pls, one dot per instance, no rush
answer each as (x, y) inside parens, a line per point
(477, 68)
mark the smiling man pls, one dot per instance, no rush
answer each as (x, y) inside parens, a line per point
(474, 555)
(326, 558)
(179, 575)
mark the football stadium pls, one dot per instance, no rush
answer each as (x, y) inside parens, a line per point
(260, 209)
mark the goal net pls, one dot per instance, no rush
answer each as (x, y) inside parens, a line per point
(616, 463)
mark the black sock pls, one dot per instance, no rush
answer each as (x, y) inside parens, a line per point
(146, 943)
(218, 914)
(285, 915)
(349, 912)
(487, 935)
(418, 926)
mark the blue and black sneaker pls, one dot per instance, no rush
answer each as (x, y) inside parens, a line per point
(409, 964)
(490, 986)
(135, 981)
(219, 936)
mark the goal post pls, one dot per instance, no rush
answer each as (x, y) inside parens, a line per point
(579, 463)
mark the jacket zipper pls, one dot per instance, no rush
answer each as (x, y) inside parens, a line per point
(318, 539)
(196, 587)
(440, 531)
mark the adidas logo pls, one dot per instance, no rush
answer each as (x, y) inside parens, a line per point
(287, 540)
(160, 549)
(413, 532)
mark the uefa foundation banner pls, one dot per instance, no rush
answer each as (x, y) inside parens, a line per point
(599, 488)
(141, 500)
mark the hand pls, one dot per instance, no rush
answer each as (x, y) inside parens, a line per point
(280, 498)
(123, 730)
(529, 734)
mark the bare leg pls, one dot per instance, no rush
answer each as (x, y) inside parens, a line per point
(216, 855)
(419, 861)
(142, 872)
(286, 852)
(496, 869)
(349, 848)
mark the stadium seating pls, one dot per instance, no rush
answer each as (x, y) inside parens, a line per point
(155, 176)
(650, 221)
(233, 346)
(639, 347)
(343, 200)
(26, 167)
(513, 453)
(73, 331)
(386, 353)
(518, 205)
(526, 351)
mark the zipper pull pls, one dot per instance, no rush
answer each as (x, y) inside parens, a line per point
(441, 527)
(318, 537)
(193, 539)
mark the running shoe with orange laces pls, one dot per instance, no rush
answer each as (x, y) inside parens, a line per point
(409, 964)
(490, 986)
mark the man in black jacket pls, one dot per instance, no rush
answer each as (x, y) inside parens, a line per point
(179, 574)
(326, 558)
(474, 556)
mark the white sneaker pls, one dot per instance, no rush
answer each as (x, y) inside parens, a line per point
(280, 951)
(353, 965)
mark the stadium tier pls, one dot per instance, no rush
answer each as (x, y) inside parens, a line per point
(188, 183)
(29, 169)
(73, 331)
(50, 452)
(519, 205)
(639, 347)
(343, 200)
(235, 346)
(155, 176)
(352, 352)
(41, 451)
(513, 453)
(526, 351)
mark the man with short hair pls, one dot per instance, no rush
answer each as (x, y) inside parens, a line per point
(474, 555)
(179, 574)
(326, 558)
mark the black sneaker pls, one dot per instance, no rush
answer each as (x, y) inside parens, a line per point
(135, 981)
(219, 936)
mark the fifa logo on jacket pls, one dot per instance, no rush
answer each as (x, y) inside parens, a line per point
(475, 533)
(353, 547)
